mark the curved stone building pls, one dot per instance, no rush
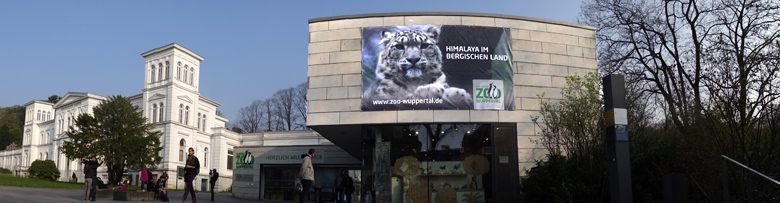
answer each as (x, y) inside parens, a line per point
(439, 105)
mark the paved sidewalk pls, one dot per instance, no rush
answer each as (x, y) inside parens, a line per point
(45, 195)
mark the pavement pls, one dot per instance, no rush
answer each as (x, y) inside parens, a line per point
(9, 194)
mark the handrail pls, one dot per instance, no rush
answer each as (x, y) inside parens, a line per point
(748, 180)
(751, 170)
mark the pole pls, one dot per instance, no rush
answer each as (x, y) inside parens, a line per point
(618, 157)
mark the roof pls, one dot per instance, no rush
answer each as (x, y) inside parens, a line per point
(172, 46)
(490, 15)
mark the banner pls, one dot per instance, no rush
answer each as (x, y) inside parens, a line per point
(436, 67)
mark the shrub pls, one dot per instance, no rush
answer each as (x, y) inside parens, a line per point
(5, 171)
(44, 170)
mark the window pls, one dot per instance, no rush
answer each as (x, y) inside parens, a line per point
(230, 159)
(178, 71)
(185, 73)
(153, 73)
(182, 143)
(198, 121)
(205, 157)
(69, 123)
(204, 122)
(167, 70)
(48, 116)
(39, 115)
(154, 113)
(181, 112)
(192, 75)
(159, 72)
(187, 115)
(47, 156)
(162, 118)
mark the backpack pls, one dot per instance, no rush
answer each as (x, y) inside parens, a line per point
(86, 168)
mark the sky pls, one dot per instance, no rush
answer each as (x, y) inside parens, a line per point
(251, 48)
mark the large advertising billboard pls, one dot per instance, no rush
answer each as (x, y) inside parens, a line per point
(436, 67)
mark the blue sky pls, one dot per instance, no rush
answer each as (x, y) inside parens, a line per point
(251, 48)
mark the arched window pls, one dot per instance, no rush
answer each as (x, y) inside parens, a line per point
(159, 73)
(182, 145)
(162, 118)
(167, 70)
(204, 122)
(154, 113)
(178, 71)
(187, 115)
(185, 73)
(192, 75)
(181, 112)
(198, 121)
(39, 115)
(48, 116)
(47, 156)
(40, 156)
(153, 73)
(206, 157)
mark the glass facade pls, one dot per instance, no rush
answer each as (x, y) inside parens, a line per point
(438, 163)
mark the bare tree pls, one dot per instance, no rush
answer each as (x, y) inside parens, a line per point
(744, 80)
(250, 118)
(300, 103)
(658, 44)
(714, 65)
(268, 113)
(283, 103)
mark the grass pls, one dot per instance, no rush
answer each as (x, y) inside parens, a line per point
(35, 183)
(8, 180)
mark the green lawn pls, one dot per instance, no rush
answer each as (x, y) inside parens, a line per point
(29, 182)
(35, 183)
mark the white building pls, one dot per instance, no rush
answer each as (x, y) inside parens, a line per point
(170, 100)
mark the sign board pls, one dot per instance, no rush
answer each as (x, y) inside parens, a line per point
(436, 67)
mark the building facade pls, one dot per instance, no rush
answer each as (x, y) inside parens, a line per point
(377, 89)
(170, 100)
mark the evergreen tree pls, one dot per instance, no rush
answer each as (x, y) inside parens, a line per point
(118, 133)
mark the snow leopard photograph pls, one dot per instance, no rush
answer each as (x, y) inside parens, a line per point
(421, 67)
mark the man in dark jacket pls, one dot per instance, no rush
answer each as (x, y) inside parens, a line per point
(90, 168)
(191, 170)
(213, 180)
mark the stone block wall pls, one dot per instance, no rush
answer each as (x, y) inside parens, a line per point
(544, 53)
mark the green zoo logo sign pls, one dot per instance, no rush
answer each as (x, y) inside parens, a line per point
(488, 94)
(245, 160)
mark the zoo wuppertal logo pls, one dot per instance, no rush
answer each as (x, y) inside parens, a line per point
(245, 160)
(487, 94)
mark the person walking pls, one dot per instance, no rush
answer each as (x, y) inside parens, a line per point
(306, 175)
(343, 185)
(144, 178)
(213, 180)
(191, 169)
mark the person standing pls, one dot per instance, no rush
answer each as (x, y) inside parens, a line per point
(90, 174)
(213, 180)
(74, 178)
(191, 169)
(306, 175)
(144, 177)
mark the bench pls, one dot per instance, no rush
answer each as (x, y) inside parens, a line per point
(132, 195)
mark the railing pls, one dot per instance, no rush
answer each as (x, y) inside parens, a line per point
(748, 179)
